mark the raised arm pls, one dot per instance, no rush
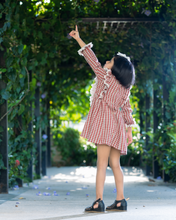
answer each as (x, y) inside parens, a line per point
(81, 42)
(89, 55)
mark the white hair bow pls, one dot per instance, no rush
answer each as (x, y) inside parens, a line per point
(124, 55)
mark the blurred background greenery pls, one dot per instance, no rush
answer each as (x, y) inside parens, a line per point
(39, 57)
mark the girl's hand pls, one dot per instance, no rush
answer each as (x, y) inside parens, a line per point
(130, 138)
(75, 34)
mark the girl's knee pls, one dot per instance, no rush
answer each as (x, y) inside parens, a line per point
(102, 163)
(114, 164)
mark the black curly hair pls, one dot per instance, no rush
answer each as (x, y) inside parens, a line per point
(124, 71)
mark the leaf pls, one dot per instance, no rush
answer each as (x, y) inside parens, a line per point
(11, 104)
(21, 110)
(20, 49)
(36, 63)
(33, 82)
(1, 6)
(13, 114)
(23, 71)
(24, 61)
(22, 82)
(6, 95)
(40, 35)
(18, 89)
(43, 60)
(21, 76)
(156, 64)
(168, 116)
(2, 70)
(40, 17)
(9, 61)
(8, 24)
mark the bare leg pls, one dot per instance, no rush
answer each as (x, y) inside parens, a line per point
(118, 173)
(103, 152)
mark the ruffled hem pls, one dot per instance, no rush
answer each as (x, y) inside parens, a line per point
(122, 152)
(82, 48)
(132, 125)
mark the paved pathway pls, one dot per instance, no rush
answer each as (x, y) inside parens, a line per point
(75, 187)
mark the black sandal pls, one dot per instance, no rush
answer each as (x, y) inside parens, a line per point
(121, 208)
(101, 207)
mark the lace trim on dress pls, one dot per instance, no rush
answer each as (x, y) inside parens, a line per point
(105, 82)
(94, 85)
(93, 89)
(126, 100)
(82, 48)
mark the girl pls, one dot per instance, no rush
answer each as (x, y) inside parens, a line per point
(105, 124)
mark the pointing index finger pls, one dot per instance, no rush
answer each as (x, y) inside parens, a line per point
(76, 28)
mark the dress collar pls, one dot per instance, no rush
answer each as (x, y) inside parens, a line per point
(106, 69)
(109, 70)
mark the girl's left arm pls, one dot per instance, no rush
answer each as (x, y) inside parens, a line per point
(91, 58)
(127, 112)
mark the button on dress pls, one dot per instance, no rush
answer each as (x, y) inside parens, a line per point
(110, 110)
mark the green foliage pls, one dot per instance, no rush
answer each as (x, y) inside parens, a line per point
(89, 155)
(132, 158)
(34, 38)
(69, 146)
(166, 150)
(19, 171)
(73, 149)
(162, 144)
(2, 164)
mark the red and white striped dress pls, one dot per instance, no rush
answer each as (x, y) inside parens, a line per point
(105, 122)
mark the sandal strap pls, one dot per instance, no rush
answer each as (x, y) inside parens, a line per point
(114, 205)
(119, 200)
(96, 202)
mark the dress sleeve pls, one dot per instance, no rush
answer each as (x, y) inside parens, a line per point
(92, 60)
(127, 113)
